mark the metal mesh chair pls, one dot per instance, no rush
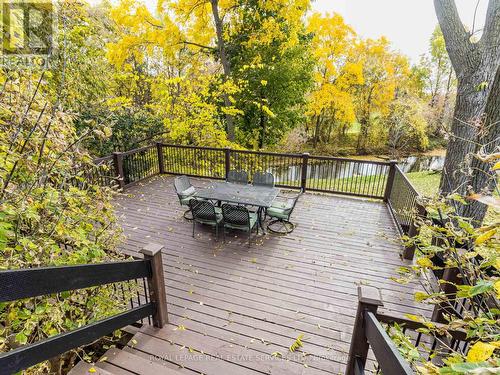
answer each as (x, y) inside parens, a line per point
(237, 177)
(280, 213)
(238, 217)
(185, 192)
(204, 212)
(263, 179)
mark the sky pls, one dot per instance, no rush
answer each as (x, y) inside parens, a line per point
(407, 23)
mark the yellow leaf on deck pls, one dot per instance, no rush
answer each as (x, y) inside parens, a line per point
(480, 352)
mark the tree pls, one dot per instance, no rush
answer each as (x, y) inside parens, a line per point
(476, 63)
(336, 75)
(384, 75)
(441, 80)
(407, 126)
(272, 64)
(174, 50)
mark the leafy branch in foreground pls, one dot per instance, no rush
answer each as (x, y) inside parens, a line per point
(460, 268)
(49, 215)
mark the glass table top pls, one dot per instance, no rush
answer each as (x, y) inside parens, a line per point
(261, 196)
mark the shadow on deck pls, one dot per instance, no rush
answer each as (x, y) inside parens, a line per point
(236, 310)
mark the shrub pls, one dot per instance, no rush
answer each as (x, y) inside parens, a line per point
(48, 215)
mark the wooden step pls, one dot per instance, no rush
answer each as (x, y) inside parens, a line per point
(136, 364)
(84, 368)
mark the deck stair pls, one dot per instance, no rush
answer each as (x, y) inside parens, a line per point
(174, 351)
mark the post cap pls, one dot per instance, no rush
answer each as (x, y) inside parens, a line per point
(369, 295)
(151, 249)
(392, 161)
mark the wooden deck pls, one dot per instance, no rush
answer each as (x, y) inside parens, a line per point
(236, 310)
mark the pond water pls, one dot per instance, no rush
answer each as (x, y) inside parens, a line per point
(333, 170)
(422, 163)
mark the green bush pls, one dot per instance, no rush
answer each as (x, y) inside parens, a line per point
(48, 216)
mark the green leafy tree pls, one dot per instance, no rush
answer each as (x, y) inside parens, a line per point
(273, 74)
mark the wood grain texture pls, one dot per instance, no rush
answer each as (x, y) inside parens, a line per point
(236, 306)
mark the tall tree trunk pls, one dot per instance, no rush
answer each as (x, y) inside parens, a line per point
(363, 135)
(476, 65)
(225, 64)
(316, 130)
(484, 181)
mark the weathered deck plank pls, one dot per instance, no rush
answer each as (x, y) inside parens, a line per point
(237, 302)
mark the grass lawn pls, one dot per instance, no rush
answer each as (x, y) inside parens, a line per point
(426, 182)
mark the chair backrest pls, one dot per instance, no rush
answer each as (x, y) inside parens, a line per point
(237, 177)
(181, 184)
(263, 179)
(236, 215)
(202, 210)
(289, 210)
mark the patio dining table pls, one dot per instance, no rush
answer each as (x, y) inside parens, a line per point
(261, 197)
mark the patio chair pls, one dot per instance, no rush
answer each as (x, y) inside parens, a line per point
(185, 192)
(263, 179)
(204, 212)
(239, 218)
(237, 177)
(280, 213)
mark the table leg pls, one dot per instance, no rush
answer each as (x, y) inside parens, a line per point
(260, 213)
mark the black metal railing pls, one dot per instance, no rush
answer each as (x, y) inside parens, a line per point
(364, 178)
(287, 168)
(316, 173)
(371, 332)
(139, 283)
(139, 164)
(207, 162)
(403, 201)
(102, 172)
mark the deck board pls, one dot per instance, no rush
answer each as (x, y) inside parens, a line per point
(238, 303)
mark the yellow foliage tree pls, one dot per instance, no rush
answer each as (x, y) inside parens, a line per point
(385, 73)
(337, 74)
(174, 48)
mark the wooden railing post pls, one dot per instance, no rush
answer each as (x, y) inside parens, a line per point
(161, 164)
(118, 164)
(369, 299)
(409, 251)
(303, 176)
(390, 180)
(227, 161)
(156, 284)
